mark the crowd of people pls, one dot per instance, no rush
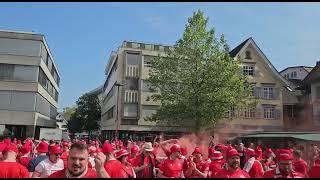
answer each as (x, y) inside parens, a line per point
(93, 159)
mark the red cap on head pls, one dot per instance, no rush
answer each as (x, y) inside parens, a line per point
(120, 153)
(25, 149)
(55, 150)
(65, 144)
(217, 155)
(231, 153)
(42, 147)
(285, 155)
(175, 148)
(12, 148)
(184, 151)
(134, 149)
(107, 148)
(197, 150)
(250, 152)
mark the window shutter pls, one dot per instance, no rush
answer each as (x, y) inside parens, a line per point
(277, 113)
(257, 92)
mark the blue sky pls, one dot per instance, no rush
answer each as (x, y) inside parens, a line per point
(82, 35)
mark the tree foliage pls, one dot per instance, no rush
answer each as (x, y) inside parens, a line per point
(198, 81)
(86, 115)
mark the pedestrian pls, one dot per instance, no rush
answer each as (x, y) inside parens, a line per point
(284, 167)
(50, 165)
(25, 158)
(216, 163)
(9, 168)
(77, 164)
(122, 156)
(112, 167)
(172, 166)
(232, 169)
(314, 172)
(198, 168)
(268, 162)
(144, 163)
(65, 153)
(253, 166)
(299, 165)
(42, 150)
(133, 153)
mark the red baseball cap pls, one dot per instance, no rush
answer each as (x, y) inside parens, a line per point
(250, 152)
(42, 147)
(197, 150)
(134, 149)
(25, 149)
(121, 153)
(217, 155)
(12, 148)
(55, 150)
(231, 153)
(107, 148)
(175, 148)
(285, 155)
(184, 151)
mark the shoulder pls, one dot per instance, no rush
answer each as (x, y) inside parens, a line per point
(58, 174)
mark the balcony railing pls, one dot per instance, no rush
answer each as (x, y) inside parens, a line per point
(132, 71)
(131, 96)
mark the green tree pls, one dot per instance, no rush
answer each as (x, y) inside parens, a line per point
(86, 115)
(68, 111)
(198, 81)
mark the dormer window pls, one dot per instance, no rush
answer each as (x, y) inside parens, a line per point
(248, 55)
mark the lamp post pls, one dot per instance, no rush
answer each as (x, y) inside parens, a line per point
(118, 119)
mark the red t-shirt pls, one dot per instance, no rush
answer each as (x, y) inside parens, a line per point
(115, 169)
(24, 161)
(300, 166)
(171, 168)
(146, 171)
(61, 174)
(314, 172)
(275, 173)
(13, 170)
(225, 173)
(202, 167)
(257, 170)
(215, 166)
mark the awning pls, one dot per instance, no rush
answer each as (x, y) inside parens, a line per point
(302, 136)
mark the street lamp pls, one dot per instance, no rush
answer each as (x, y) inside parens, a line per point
(118, 119)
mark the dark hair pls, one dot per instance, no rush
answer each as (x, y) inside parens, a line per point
(297, 153)
(79, 146)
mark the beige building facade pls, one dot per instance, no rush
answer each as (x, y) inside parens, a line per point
(29, 84)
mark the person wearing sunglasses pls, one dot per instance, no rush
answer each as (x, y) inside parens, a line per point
(50, 165)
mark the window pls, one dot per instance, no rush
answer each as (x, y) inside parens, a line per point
(109, 113)
(291, 75)
(295, 74)
(146, 87)
(249, 113)
(248, 70)
(231, 112)
(132, 84)
(109, 95)
(6, 71)
(142, 46)
(268, 92)
(248, 55)
(269, 112)
(129, 45)
(156, 47)
(147, 61)
(131, 110)
(133, 59)
(50, 66)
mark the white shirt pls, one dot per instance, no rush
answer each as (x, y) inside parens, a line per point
(46, 167)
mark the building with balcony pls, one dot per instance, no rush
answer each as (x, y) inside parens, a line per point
(29, 84)
(125, 91)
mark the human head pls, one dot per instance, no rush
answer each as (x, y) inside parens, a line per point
(175, 151)
(216, 155)
(78, 159)
(42, 147)
(10, 152)
(285, 161)
(233, 159)
(297, 154)
(134, 150)
(108, 151)
(55, 153)
(197, 154)
(147, 149)
(122, 156)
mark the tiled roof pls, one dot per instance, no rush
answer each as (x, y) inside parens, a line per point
(235, 51)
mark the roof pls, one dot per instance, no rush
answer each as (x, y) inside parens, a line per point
(313, 75)
(236, 50)
(97, 90)
(239, 48)
(306, 68)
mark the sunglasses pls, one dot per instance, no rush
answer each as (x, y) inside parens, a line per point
(58, 154)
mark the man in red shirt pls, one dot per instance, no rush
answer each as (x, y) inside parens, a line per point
(197, 168)
(25, 158)
(144, 163)
(133, 153)
(232, 169)
(77, 166)
(9, 168)
(314, 172)
(284, 168)
(172, 166)
(299, 165)
(253, 166)
(112, 167)
(216, 163)
(268, 162)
